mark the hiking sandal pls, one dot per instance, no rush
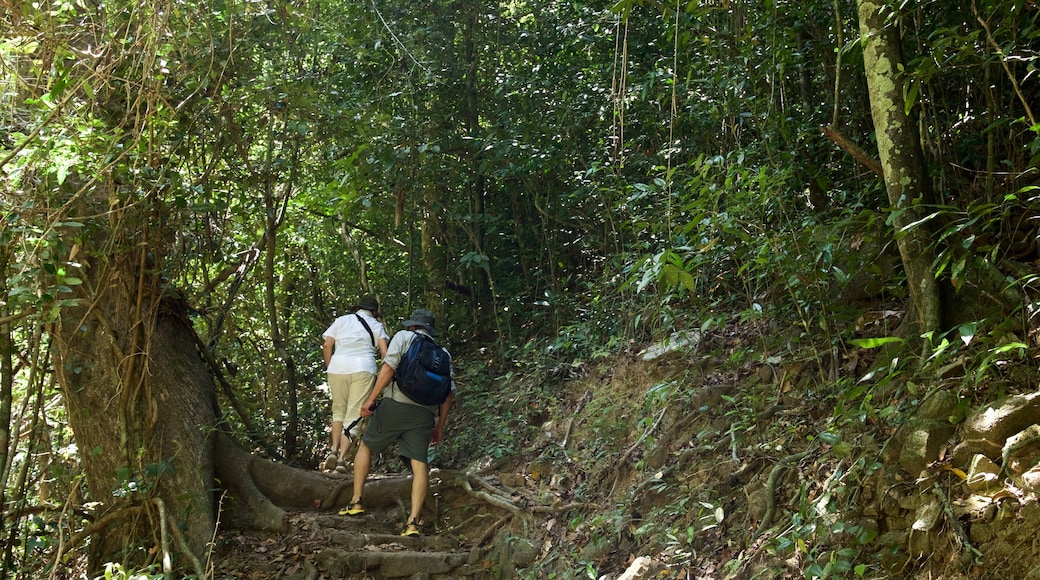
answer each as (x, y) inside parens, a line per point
(354, 509)
(341, 466)
(330, 460)
(411, 529)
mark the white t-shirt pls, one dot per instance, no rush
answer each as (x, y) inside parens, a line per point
(355, 351)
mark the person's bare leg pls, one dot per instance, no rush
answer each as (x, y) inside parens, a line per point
(334, 454)
(420, 482)
(337, 432)
(361, 464)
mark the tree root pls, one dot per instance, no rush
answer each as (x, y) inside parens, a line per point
(495, 526)
(233, 471)
(181, 541)
(774, 476)
(496, 497)
(493, 499)
(98, 525)
(166, 527)
(334, 495)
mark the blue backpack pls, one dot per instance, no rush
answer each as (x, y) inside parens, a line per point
(424, 373)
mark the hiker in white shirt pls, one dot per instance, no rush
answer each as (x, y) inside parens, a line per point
(351, 345)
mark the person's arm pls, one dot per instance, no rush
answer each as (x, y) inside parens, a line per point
(386, 374)
(326, 349)
(383, 345)
(442, 419)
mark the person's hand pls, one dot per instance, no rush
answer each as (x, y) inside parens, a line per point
(366, 409)
(438, 434)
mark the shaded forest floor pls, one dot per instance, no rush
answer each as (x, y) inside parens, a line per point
(324, 545)
(712, 455)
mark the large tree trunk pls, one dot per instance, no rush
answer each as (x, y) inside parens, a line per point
(142, 408)
(906, 181)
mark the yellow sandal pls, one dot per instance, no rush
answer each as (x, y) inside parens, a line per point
(411, 529)
(354, 509)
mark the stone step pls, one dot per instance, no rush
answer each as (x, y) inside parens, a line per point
(328, 546)
(396, 561)
(370, 546)
(356, 541)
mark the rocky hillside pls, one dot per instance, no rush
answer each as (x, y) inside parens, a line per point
(711, 457)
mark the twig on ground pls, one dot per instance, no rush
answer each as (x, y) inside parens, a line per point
(733, 442)
(952, 518)
(463, 523)
(624, 457)
(555, 509)
(638, 491)
(570, 424)
(657, 422)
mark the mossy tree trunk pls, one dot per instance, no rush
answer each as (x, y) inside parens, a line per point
(143, 411)
(140, 396)
(142, 406)
(906, 180)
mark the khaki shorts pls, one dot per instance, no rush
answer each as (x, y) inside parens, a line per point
(411, 426)
(348, 394)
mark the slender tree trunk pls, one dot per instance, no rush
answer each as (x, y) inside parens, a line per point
(6, 397)
(906, 180)
(434, 257)
(275, 209)
(483, 287)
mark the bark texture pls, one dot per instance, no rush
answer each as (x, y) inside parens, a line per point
(141, 406)
(906, 181)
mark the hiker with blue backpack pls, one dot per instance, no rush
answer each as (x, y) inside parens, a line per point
(351, 345)
(417, 379)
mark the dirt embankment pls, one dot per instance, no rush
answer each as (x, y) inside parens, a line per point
(689, 466)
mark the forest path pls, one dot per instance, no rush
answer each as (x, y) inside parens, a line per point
(322, 545)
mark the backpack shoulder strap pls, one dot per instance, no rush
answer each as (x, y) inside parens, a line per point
(367, 327)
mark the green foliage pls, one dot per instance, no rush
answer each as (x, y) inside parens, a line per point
(115, 571)
(493, 416)
(600, 174)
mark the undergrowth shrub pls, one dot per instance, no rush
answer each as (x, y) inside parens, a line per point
(740, 242)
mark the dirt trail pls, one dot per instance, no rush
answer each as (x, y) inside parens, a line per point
(324, 545)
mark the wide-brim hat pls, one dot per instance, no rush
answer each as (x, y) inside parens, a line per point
(369, 302)
(423, 318)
